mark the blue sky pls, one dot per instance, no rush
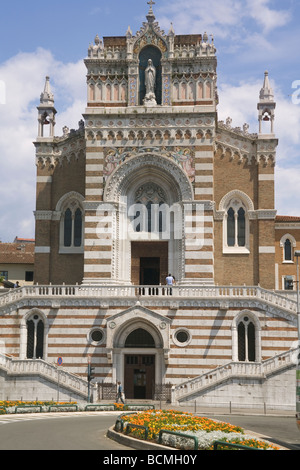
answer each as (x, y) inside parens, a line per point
(41, 38)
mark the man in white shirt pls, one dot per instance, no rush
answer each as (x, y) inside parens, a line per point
(170, 282)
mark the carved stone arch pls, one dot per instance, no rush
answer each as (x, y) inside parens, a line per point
(131, 326)
(290, 237)
(164, 168)
(236, 193)
(150, 36)
(31, 312)
(63, 201)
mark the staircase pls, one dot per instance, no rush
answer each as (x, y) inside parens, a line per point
(55, 376)
(246, 370)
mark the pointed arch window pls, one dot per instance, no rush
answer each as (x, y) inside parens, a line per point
(236, 224)
(246, 340)
(148, 217)
(35, 337)
(71, 227)
(288, 244)
(236, 227)
(287, 250)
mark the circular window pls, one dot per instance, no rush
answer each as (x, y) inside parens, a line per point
(182, 337)
(96, 336)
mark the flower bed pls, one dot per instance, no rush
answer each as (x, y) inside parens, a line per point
(206, 430)
(11, 407)
(28, 406)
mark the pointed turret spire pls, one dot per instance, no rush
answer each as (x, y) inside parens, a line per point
(47, 97)
(266, 93)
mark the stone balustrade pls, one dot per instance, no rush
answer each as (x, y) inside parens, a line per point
(251, 370)
(31, 367)
(220, 296)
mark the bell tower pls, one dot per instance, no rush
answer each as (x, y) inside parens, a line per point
(266, 108)
(46, 111)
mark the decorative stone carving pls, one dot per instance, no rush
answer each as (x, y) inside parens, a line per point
(150, 78)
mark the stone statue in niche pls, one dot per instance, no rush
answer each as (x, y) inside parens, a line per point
(150, 79)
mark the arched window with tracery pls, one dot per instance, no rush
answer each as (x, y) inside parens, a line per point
(71, 225)
(35, 337)
(246, 337)
(152, 197)
(235, 207)
(246, 340)
(288, 245)
(236, 226)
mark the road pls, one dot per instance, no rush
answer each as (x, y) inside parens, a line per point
(282, 430)
(66, 431)
(77, 431)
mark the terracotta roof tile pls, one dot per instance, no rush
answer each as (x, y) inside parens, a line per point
(17, 253)
(287, 218)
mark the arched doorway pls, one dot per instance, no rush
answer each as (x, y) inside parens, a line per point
(139, 368)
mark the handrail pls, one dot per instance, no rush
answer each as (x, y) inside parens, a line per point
(28, 406)
(216, 444)
(139, 426)
(63, 406)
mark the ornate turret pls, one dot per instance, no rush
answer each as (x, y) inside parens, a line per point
(46, 111)
(266, 106)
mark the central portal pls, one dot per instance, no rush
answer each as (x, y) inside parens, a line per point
(139, 376)
(149, 263)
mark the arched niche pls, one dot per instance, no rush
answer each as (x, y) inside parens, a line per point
(153, 53)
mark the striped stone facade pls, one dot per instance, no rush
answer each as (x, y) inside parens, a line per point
(100, 272)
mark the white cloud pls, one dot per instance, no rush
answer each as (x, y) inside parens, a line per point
(287, 190)
(239, 103)
(228, 18)
(24, 78)
(269, 19)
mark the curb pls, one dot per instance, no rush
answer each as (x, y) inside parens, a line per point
(135, 443)
(145, 445)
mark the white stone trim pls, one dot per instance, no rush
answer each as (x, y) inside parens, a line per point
(94, 192)
(44, 179)
(93, 179)
(204, 190)
(43, 215)
(97, 255)
(266, 249)
(97, 268)
(199, 268)
(269, 177)
(42, 249)
(94, 167)
(204, 179)
(204, 166)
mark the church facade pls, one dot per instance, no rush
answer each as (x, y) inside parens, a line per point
(152, 184)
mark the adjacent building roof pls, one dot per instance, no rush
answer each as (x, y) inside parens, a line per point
(287, 218)
(21, 252)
